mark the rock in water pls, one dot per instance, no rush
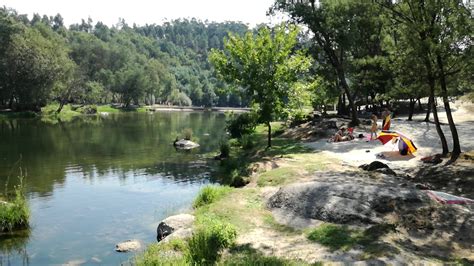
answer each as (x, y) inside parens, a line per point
(185, 144)
(177, 225)
(127, 246)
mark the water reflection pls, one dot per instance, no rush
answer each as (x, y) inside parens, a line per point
(114, 143)
(96, 181)
(13, 247)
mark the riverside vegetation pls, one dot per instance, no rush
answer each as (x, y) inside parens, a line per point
(15, 212)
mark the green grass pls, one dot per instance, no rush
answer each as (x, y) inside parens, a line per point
(49, 114)
(210, 194)
(107, 108)
(15, 214)
(173, 252)
(278, 176)
(209, 240)
(341, 237)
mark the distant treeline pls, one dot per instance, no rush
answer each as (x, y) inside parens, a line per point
(42, 61)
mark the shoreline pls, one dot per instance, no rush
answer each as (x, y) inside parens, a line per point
(316, 162)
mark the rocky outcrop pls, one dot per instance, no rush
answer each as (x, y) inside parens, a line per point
(345, 203)
(127, 246)
(185, 144)
(177, 226)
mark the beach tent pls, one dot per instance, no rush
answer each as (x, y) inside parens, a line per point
(405, 145)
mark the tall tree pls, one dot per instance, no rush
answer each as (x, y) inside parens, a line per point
(441, 34)
(265, 65)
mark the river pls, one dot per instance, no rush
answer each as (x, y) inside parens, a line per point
(99, 180)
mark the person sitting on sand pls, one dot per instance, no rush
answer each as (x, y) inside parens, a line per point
(342, 135)
(373, 129)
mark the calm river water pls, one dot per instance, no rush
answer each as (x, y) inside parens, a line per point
(97, 181)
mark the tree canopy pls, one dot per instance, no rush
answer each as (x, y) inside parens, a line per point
(266, 66)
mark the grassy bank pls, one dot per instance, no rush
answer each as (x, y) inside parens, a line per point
(69, 112)
(14, 213)
(237, 212)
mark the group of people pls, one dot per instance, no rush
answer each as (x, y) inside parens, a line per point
(345, 135)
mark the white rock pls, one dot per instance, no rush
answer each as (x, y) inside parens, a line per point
(129, 245)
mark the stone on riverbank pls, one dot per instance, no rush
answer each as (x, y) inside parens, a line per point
(127, 246)
(176, 226)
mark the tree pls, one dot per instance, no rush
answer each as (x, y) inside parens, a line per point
(440, 32)
(331, 23)
(265, 66)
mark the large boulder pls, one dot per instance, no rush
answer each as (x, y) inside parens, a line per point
(344, 203)
(185, 144)
(176, 226)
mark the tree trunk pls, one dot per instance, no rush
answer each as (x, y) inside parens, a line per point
(428, 109)
(412, 109)
(340, 105)
(61, 105)
(444, 92)
(431, 81)
(420, 107)
(354, 120)
(269, 143)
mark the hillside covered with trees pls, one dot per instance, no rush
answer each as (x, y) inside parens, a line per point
(42, 61)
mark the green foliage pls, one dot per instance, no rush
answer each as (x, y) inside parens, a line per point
(247, 141)
(224, 147)
(239, 125)
(265, 65)
(173, 252)
(187, 133)
(41, 61)
(210, 194)
(209, 240)
(15, 214)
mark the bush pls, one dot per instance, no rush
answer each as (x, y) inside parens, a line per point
(207, 242)
(188, 133)
(210, 194)
(15, 214)
(88, 109)
(224, 148)
(240, 125)
(247, 142)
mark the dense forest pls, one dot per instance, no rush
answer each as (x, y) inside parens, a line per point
(42, 61)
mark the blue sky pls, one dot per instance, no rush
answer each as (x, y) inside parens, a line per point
(147, 11)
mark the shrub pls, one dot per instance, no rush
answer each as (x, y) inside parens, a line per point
(207, 242)
(245, 123)
(224, 148)
(210, 194)
(188, 133)
(88, 109)
(247, 142)
(15, 214)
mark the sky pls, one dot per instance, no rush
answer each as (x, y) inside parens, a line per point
(144, 12)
